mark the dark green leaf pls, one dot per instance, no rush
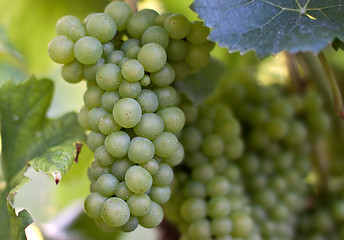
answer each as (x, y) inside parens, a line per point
(271, 26)
(57, 160)
(26, 132)
(200, 85)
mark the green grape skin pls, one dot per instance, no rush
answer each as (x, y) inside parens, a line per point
(138, 23)
(120, 167)
(106, 184)
(117, 144)
(220, 226)
(83, 118)
(150, 126)
(155, 34)
(191, 138)
(164, 77)
(151, 166)
(145, 81)
(193, 208)
(141, 150)
(212, 145)
(218, 206)
(167, 97)
(203, 172)
(154, 216)
(132, 70)
(115, 57)
(72, 72)
(108, 99)
(194, 188)
(198, 33)
(164, 176)
(88, 50)
(109, 77)
(96, 170)
(122, 191)
(132, 52)
(115, 212)
(165, 145)
(92, 97)
(120, 12)
(242, 225)
(108, 48)
(132, 42)
(234, 149)
(107, 125)
(197, 57)
(148, 101)
(139, 204)
(60, 49)
(66, 23)
(77, 32)
(160, 20)
(127, 112)
(90, 71)
(182, 70)
(160, 194)
(93, 204)
(276, 128)
(152, 14)
(103, 157)
(95, 140)
(219, 185)
(122, 61)
(199, 229)
(101, 26)
(177, 50)
(177, 26)
(94, 116)
(138, 179)
(152, 56)
(130, 225)
(129, 89)
(104, 226)
(228, 129)
(176, 158)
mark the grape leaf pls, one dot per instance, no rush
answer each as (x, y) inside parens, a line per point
(271, 26)
(26, 132)
(200, 85)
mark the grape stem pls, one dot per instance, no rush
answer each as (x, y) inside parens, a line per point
(337, 97)
(132, 4)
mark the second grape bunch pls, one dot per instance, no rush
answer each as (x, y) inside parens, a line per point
(129, 61)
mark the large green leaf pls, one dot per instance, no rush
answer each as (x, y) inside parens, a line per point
(271, 26)
(26, 132)
(200, 85)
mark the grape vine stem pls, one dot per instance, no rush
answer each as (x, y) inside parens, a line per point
(337, 97)
(132, 4)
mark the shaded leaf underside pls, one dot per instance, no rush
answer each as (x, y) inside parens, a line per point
(271, 26)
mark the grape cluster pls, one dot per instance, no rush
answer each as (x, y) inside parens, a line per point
(324, 220)
(208, 200)
(129, 61)
(278, 128)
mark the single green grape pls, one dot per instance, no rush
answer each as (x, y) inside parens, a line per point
(138, 179)
(164, 77)
(94, 116)
(108, 48)
(242, 224)
(92, 97)
(138, 23)
(83, 118)
(152, 56)
(120, 167)
(145, 81)
(218, 185)
(177, 26)
(218, 206)
(176, 158)
(139, 204)
(160, 194)
(150, 126)
(88, 50)
(93, 204)
(72, 72)
(109, 77)
(160, 20)
(154, 216)
(177, 50)
(101, 26)
(103, 157)
(127, 112)
(199, 229)
(148, 101)
(107, 125)
(141, 150)
(95, 140)
(66, 23)
(115, 57)
(193, 208)
(198, 33)
(166, 144)
(133, 70)
(120, 12)
(173, 118)
(122, 191)
(164, 176)
(167, 97)
(117, 144)
(155, 34)
(130, 225)
(106, 184)
(115, 212)
(109, 98)
(90, 71)
(129, 89)
(151, 166)
(61, 49)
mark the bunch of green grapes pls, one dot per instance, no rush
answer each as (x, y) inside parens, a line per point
(208, 200)
(129, 61)
(324, 220)
(278, 129)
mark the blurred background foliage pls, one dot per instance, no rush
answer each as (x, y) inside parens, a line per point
(27, 26)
